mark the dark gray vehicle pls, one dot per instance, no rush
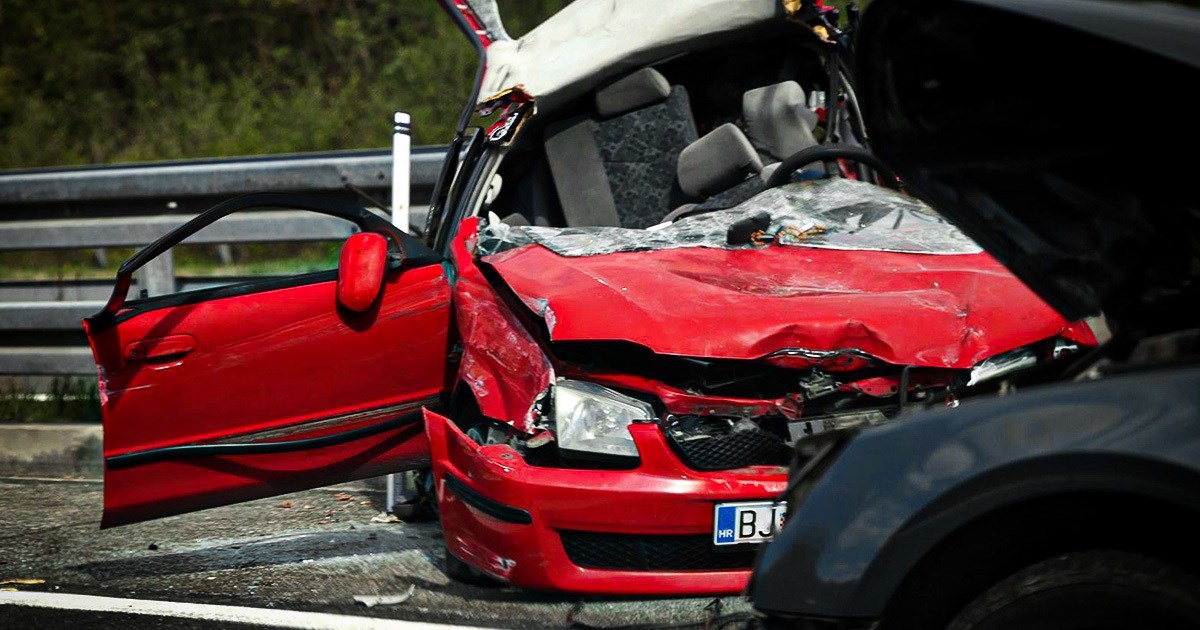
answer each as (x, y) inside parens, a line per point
(1060, 135)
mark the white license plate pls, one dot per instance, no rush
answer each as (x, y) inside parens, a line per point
(747, 522)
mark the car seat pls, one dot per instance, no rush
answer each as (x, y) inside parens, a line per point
(729, 165)
(618, 166)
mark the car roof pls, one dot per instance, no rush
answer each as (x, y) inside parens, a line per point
(589, 41)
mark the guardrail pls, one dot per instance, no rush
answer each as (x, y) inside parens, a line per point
(132, 205)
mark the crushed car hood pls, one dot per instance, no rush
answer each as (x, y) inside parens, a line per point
(1031, 150)
(591, 40)
(883, 276)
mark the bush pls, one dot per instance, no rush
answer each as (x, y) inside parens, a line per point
(125, 80)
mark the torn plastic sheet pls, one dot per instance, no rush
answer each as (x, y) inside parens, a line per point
(829, 214)
(502, 364)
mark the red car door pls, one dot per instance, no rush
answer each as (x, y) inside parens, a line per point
(234, 393)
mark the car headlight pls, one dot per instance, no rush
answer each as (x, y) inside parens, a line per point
(594, 420)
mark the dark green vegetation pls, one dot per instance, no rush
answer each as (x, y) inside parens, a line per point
(57, 399)
(126, 80)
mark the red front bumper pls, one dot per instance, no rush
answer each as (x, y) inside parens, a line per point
(506, 518)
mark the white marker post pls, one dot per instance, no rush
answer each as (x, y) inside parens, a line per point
(401, 167)
(399, 489)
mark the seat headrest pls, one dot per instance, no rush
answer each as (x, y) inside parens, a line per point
(720, 159)
(633, 91)
(777, 120)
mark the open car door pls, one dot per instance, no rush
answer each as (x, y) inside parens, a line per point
(227, 394)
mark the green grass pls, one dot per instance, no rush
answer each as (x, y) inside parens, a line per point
(190, 260)
(64, 399)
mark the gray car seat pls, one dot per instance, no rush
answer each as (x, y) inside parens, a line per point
(777, 121)
(727, 166)
(618, 168)
(720, 168)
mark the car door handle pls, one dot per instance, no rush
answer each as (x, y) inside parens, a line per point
(160, 349)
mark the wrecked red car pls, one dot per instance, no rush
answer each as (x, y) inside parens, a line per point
(631, 297)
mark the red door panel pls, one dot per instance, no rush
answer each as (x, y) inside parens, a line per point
(184, 388)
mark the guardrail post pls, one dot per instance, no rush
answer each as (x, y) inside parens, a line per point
(158, 276)
(225, 253)
(401, 165)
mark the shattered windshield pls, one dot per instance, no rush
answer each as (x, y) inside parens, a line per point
(833, 214)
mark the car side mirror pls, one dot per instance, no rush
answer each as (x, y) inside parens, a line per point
(361, 269)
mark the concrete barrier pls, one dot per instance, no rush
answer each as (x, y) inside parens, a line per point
(51, 450)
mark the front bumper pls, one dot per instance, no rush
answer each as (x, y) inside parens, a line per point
(554, 528)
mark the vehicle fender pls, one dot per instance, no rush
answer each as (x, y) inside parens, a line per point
(897, 490)
(502, 364)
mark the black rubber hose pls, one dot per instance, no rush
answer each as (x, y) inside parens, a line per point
(823, 152)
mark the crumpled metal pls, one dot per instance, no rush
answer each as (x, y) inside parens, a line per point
(832, 214)
(887, 280)
(502, 364)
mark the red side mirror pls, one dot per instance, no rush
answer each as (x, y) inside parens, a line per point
(361, 268)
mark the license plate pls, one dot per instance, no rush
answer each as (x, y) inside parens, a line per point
(747, 522)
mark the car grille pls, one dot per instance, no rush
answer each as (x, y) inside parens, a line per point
(634, 552)
(735, 449)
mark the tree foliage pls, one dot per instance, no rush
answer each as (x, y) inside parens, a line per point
(125, 80)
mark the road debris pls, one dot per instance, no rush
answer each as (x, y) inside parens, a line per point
(384, 517)
(286, 505)
(342, 496)
(11, 585)
(386, 600)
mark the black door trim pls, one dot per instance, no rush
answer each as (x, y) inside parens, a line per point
(491, 507)
(259, 448)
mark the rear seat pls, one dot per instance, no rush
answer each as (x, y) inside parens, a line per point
(618, 168)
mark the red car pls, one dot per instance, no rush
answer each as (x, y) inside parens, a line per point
(633, 294)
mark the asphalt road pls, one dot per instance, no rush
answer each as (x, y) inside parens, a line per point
(46, 619)
(309, 551)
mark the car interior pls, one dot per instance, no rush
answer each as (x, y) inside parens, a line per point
(698, 132)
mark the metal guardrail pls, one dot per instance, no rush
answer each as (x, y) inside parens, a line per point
(330, 171)
(134, 204)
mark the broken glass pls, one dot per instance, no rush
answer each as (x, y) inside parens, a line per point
(832, 214)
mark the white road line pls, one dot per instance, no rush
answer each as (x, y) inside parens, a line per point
(269, 617)
(26, 480)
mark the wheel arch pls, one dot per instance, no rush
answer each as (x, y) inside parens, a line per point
(995, 524)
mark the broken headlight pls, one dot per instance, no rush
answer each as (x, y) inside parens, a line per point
(594, 420)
